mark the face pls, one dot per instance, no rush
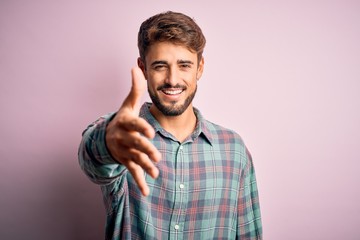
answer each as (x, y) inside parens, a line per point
(172, 72)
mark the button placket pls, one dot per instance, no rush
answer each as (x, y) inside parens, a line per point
(180, 194)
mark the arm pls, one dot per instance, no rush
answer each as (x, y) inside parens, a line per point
(249, 218)
(94, 157)
(121, 141)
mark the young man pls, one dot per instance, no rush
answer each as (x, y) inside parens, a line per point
(166, 172)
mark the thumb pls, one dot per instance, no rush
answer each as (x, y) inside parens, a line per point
(133, 100)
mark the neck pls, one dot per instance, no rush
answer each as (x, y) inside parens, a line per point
(179, 126)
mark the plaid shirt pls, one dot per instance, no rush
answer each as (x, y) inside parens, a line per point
(206, 188)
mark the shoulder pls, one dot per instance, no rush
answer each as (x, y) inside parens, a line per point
(228, 144)
(221, 134)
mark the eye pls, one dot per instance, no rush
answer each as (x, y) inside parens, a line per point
(159, 67)
(185, 65)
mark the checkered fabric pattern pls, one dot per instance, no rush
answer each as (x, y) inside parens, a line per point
(206, 188)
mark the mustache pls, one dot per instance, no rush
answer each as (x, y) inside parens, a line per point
(167, 86)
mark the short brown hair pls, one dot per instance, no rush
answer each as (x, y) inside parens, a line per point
(172, 27)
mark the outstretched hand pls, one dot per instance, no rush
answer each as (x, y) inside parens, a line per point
(127, 136)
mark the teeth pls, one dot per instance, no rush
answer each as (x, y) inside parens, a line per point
(172, 92)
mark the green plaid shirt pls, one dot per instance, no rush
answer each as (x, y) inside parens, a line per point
(206, 188)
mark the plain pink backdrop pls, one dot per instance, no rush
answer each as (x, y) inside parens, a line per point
(284, 74)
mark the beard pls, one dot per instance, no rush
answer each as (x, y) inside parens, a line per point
(173, 109)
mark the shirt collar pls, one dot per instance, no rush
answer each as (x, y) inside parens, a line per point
(201, 129)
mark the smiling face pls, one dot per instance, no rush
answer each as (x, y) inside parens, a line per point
(172, 72)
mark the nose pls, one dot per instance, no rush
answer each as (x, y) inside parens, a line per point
(172, 76)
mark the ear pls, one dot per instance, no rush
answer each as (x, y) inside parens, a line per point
(141, 65)
(200, 69)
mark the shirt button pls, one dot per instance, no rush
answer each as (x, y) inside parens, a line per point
(181, 186)
(176, 227)
(181, 147)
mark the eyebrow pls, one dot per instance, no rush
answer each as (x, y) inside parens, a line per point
(185, 61)
(158, 62)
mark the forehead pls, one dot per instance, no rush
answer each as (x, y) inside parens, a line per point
(167, 51)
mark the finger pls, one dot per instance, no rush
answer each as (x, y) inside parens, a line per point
(133, 140)
(144, 162)
(144, 146)
(137, 124)
(138, 174)
(125, 154)
(138, 87)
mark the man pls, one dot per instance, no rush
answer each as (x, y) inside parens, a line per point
(166, 172)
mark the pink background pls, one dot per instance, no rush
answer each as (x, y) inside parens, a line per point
(284, 74)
